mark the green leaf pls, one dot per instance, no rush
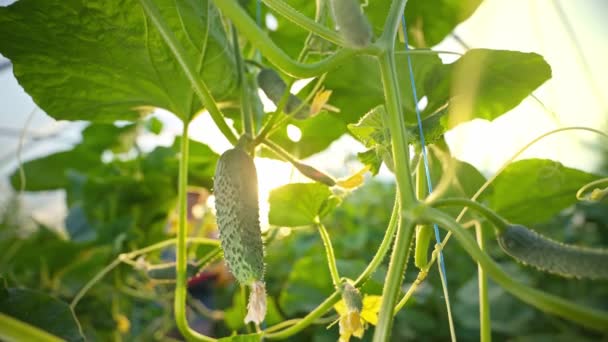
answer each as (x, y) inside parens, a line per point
(430, 21)
(41, 310)
(357, 87)
(487, 83)
(465, 178)
(372, 132)
(104, 60)
(534, 190)
(297, 204)
(154, 125)
(371, 158)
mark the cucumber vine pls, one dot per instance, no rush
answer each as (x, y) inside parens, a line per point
(259, 61)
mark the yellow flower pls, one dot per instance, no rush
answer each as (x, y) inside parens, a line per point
(351, 324)
(355, 313)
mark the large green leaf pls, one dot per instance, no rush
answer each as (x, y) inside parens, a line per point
(297, 204)
(357, 87)
(41, 310)
(534, 190)
(487, 83)
(430, 21)
(104, 60)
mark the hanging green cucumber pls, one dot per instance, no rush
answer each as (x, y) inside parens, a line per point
(550, 256)
(274, 87)
(352, 23)
(236, 203)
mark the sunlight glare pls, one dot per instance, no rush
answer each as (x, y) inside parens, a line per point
(271, 174)
(294, 133)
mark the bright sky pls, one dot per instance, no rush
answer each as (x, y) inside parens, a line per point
(577, 94)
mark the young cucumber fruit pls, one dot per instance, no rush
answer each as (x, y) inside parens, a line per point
(547, 255)
(274, 87)
(352, 23)
(237, 211)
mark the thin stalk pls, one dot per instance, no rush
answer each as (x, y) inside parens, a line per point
(485, 323)
(291, 14)
(494, 218)
(199, 86)
(400, 151)
(125, 257)
(181, 292)
(591, 318)
(446, 296)
(259, 39)
(246, 113)
(331, 257)
(275, 115)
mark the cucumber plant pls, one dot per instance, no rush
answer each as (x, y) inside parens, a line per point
(105, 61)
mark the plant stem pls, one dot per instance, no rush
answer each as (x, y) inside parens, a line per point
(129, 256)
(181, 292)
(331, 257)
(259, 39)
(498, 222)
(405, 188)
(485, 323)
(246, 113)
(199, 86)
(291, 14)
(591, 318)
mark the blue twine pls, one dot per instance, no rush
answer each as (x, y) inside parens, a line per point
(429, 183)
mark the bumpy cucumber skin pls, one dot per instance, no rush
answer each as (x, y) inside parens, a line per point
(352, 23)
(550, 256)
(273, 86)
(237, 211)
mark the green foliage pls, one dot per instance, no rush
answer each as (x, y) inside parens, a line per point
(117, 60)
(108, 61)
(41, 310)
(431, 21)
(545, 185)
(296, 204)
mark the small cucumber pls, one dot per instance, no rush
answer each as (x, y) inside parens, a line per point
(273, 86)
(550, 256)
(352, 23)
